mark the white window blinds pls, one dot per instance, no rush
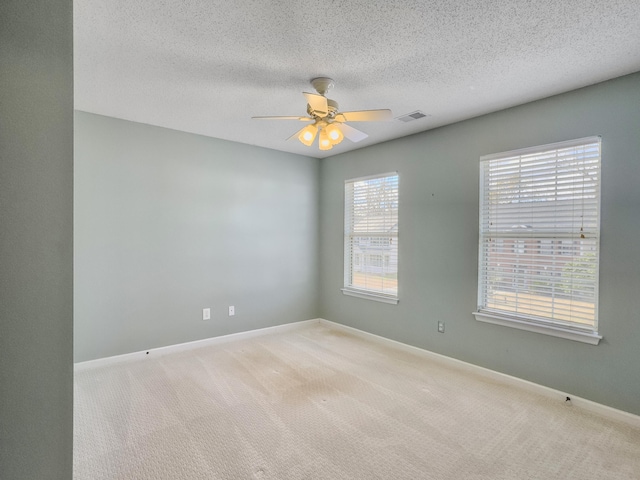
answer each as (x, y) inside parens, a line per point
(540, 234)
(371, 236)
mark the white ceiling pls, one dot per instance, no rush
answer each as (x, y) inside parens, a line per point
(207, 66)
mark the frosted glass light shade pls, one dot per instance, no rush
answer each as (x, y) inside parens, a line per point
(324, 142)
(308, 135)
(335, 134)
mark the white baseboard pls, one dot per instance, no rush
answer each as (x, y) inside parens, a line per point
(180, 347)
(583, 403)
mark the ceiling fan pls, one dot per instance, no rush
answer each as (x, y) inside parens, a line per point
(328, 123)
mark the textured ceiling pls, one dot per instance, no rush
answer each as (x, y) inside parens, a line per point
(207, 66)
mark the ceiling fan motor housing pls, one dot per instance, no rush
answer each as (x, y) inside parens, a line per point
(332, 107)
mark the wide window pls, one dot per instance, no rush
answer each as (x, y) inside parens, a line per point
(371, 237)
(539, 239)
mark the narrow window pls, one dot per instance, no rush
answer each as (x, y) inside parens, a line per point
(371, 238)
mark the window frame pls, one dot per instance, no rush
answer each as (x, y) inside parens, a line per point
(377, 240)
(571, 330)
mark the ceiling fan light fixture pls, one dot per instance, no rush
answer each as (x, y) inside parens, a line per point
(308, 135)
(334, 133)
(328, 124)
(324, 142)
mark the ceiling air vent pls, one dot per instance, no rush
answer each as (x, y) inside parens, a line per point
(410, 117)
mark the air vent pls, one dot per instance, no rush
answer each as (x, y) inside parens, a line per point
(410, 117)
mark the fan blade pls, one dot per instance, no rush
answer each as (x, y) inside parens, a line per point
(302, 119)
(318, 104)
(365, 116)
(351, 133)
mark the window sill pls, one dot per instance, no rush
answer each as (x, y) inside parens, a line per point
(591, 338)
(370, 296)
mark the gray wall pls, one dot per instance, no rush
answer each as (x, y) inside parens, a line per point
(36, 250)
(168, 223)
(439, 251)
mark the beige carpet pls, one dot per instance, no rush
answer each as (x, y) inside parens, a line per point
(318, 403)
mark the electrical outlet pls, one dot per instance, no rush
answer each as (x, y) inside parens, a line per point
(206, 314)
(441, 327)
(232, 310)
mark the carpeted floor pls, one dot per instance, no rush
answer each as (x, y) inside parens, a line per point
(318, 403)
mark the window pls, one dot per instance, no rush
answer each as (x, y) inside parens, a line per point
(546, 248)
(371, 238)
(545, 203)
